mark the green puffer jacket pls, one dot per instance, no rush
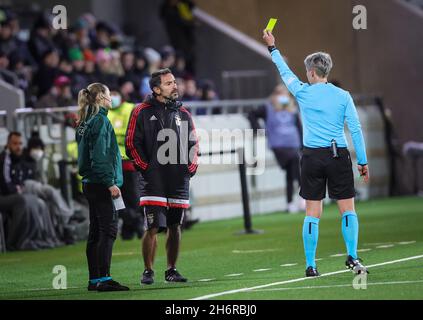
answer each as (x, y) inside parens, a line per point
(99, 159)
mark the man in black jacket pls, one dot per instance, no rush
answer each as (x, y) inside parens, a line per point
(29, 225)
(162, 142)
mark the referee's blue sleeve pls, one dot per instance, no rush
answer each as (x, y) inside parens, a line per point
(354, 126)
(292, 82)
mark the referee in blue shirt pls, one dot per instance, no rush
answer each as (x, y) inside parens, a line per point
(326, 160)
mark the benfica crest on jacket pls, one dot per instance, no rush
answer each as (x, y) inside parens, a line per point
(178, 120)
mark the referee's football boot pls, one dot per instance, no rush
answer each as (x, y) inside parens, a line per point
(147, 277)
(172, 275)
(355, 265)
(312, 272)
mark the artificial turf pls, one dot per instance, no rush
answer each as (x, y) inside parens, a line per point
(391, 228)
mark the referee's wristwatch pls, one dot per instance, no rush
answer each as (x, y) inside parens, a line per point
(271, 48)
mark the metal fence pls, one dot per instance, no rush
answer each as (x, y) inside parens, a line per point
(53, 124)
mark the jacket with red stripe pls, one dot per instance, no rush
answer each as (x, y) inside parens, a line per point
(166, 163)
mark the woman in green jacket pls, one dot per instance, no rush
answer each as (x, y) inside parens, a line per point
(100, 166)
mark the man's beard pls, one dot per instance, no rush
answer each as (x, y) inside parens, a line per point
(173, 96)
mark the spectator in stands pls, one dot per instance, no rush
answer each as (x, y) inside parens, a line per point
(154, 61)
(207, 92)
(128, 92)
(168, 57)
(48, 71)
(106, 72)
(65, 68)
(29, 225)
(87, 52)
(41, 41)
(90, 72)
(36, 184)
(180, 26)
(22, 72)
(181, 87)
(60, 95)
(141, 64)
(128, 66)
(82, 33)
(78, 78)
(33, 155)
(179, 67)
(10, 43)
(90, 22)
(7, 41)
(6, 74)
(283, 130)
(191, 92)
(103, 33)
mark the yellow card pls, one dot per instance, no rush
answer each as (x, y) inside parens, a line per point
(271, 24)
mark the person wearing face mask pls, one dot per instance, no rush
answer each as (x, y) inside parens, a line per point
(33, 154)
(36, 184)
(283, 131)
(29, 223)
(100, 166)
(119, 116)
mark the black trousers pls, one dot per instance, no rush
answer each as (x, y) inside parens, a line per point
(289, 160)
(102, 231)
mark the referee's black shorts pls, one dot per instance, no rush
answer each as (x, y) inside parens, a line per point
(319, 168)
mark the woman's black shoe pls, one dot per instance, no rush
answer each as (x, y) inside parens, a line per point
(111, 285)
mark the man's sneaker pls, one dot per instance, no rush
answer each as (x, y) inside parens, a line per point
(92, 286)
(147, 277)
(312, 272)
(172, 275)
(111, 285)
(355, 265)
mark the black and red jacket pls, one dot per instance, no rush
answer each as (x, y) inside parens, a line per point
(164, 184)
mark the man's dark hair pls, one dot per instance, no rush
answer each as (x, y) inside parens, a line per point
(13, 133)
(156, 78)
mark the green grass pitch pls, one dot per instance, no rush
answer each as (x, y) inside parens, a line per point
(216, 261)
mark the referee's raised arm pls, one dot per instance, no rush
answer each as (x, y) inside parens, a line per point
(292, 82)
(325, 161)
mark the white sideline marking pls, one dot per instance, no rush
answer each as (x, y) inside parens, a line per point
(289, 264)
(205, 280)
(364, 250)
(406, 242)
(338, 255)
(340, 285)
(233, 275)
(209, 296)
(124, 253)
(11, 260)
(254, 251)
(385, 246)
(376, 243)
(318, 259)
(47, 289)
(261, 270)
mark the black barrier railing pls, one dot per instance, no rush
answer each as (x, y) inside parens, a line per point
(248, 225)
